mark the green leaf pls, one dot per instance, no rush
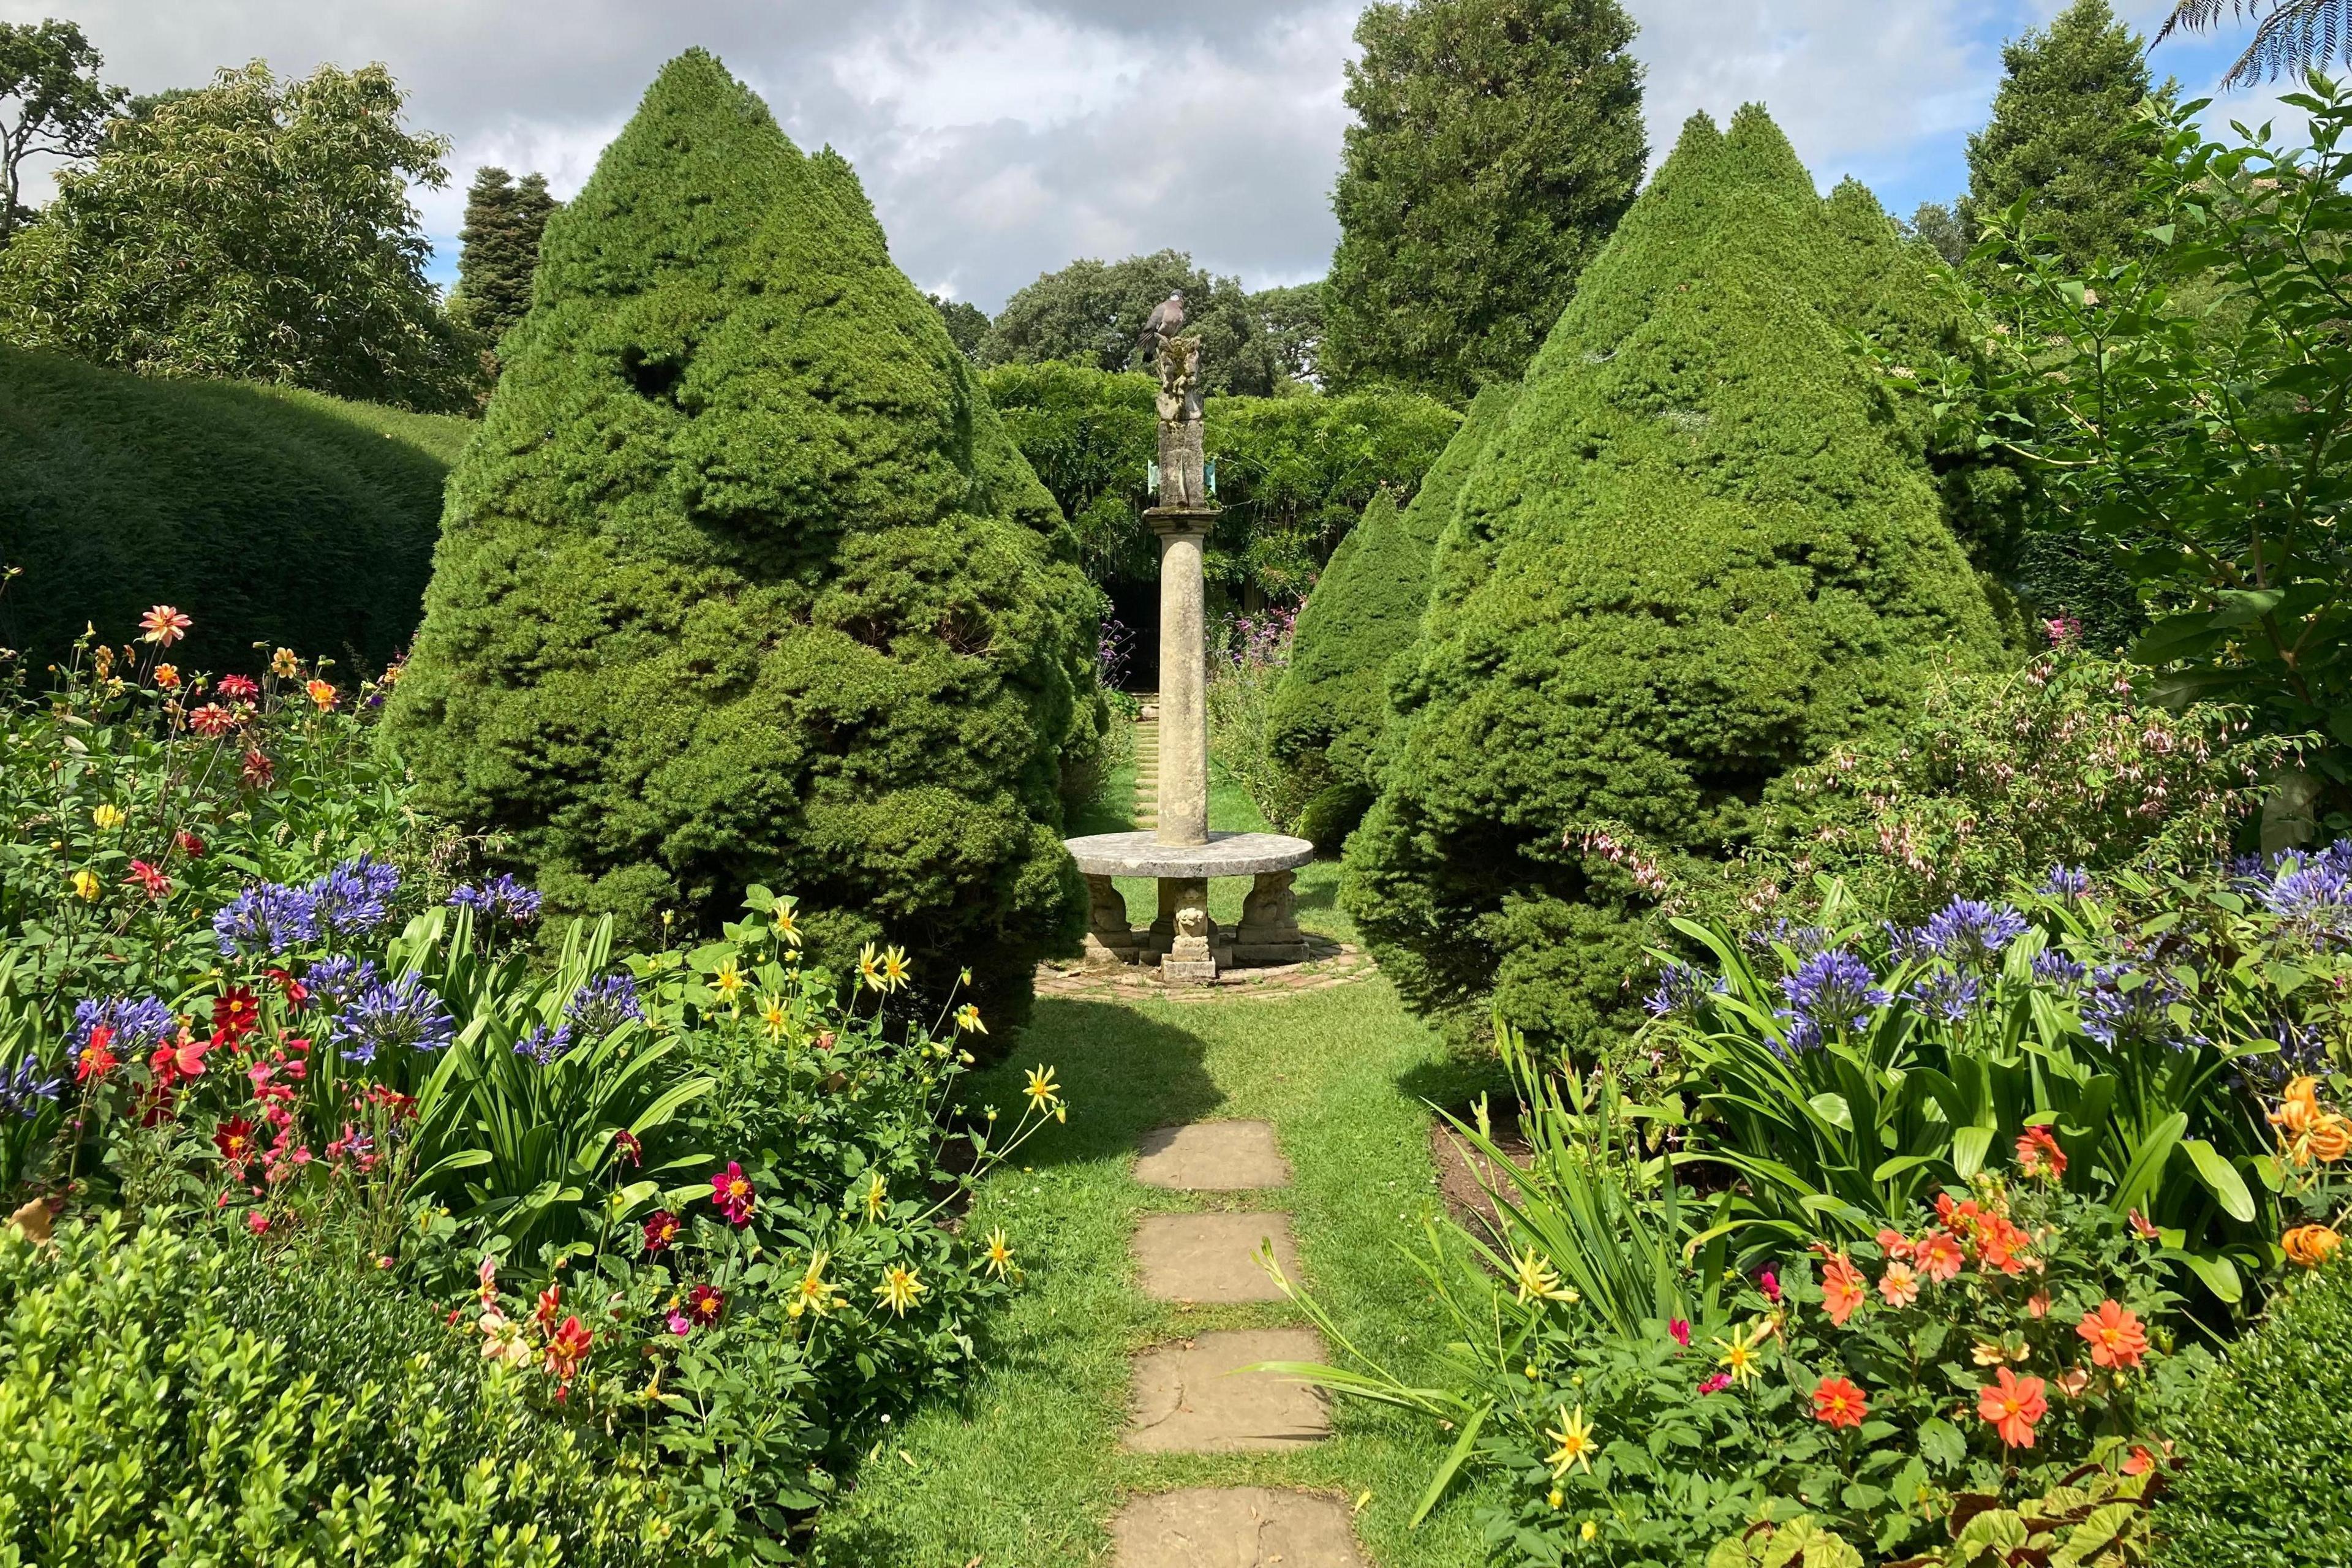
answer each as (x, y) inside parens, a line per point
(1970, 1147)
(2217, 1272)
(1941, 1443)
(2177, 637)
(2221, 1179)
(1833, 1110)
(1455, 1459)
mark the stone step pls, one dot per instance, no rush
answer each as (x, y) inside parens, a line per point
(1212, 1257)
(1212, 1157)
(1235, 1527)
(1191, 1397)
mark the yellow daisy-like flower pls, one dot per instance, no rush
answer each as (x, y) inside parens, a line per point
(1738, 1356)
(1587, 1531)
(107, 817)
(1043, 1091)
(894, 967)
(85, 885)
(870, 969)
(967, 1020)
(814, 1293)
(1576, 1445)
(322, 694)
(1538, 1281)
(773, 1016)
(876, 1197)
(899, 1289)
(998, 1258)
(285, 663)
(787, 926)
(728, 981)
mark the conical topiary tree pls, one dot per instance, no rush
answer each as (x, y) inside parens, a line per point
(1332, 705)
(1696, 556)
(741, 582)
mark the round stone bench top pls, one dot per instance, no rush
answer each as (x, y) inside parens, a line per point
(1225, 855)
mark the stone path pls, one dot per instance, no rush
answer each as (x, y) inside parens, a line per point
(1147, 764)
(1190, 1396)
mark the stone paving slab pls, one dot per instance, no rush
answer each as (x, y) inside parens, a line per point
(1236, 1526)
(1183, 1401)
(1212, 1156)
(1212, 1257)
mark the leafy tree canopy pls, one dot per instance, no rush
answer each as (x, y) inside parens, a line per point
(2066, 135)
(51, 102)
(252, 228)
(1293, 319)
(1092, 313)
(1497, 143)
(967, 323)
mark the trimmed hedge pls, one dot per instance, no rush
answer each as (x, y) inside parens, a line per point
(742, 581)
(1700, 552)
(266, 512)
(1293, 472)
(2269, 1476)
(1362, 618)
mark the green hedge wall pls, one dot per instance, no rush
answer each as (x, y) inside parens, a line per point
(266, 513)
(742, 581)
(1700, 552)
(1293, 473)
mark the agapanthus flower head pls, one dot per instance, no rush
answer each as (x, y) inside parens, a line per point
(545, 1045)
(265, 920)
(2301, 1048)
(2314, 892)
(2123, 1005)
(2053, 967)
(1829, 991)
(604, 1005)
(1972, 933)
(1804, 941)
(1680, 988)
(26, 1090)
(1946, 993)
(501, 896)
(405, 1012)
(335, 981)
(356, 897)
(2066, 882)
(131, 1026)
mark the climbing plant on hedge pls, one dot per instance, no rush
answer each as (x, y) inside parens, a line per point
(1696, 556)
(1333, 705)
(742, 581)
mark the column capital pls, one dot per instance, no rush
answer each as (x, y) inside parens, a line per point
(1165, 520)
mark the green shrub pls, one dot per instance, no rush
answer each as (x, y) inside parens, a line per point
(2269, 1476)
(1698, 555)
(182, 1399)
(1332, 707)
(275, 515)
(742, 580)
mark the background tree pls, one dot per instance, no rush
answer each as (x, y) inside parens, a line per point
(250, 229)
(500, 250)
(1496, 144)
(51, 102)
(2296, 35)
(1091, 313)
(2064, 133)
(967, 323)
(1292, 319)
(1938, 226)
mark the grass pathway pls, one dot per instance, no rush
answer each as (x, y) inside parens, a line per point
(1026, 1470)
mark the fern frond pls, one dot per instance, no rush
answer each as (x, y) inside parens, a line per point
(2297, 36)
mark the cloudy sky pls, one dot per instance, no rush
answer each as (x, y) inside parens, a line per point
(1000, 137)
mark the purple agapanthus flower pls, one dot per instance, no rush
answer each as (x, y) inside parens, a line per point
(2066, 882)
(1831, 991)
(356, 897)
(1946, 993)
(604, 1005)
(404, 1012)
(544, 1045)
(1680, 989)
(2053, 967)
(22, 1093)
(1804, 941)
(1971, 932)
(265, 919)
(501, 895)
(2314, 892)
(139, 1024)
(335, 981)
(2123, 1005)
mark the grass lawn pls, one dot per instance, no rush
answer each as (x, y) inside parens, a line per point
(1026, 1470)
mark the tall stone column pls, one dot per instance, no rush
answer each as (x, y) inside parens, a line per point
(1184, 675)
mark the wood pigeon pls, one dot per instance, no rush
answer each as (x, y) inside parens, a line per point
(1166, 320)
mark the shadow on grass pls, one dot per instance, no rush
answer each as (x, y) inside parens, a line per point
(1122, 1072)
(1453, 1081)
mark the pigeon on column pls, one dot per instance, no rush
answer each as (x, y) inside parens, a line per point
(1165, 321)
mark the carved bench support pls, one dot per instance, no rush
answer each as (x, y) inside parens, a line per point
(1269, 930)
(1109, 938)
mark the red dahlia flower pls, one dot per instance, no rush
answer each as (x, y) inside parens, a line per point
(239, 689)
(661, 1230)
(147, 880)
(212, 719)
(704, 1305)
(731, 1189)
(234, 1014)
(234, 1138)
(1838, 1403)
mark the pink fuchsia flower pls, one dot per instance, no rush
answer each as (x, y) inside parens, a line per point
(1679, 1328)
(1770, 1283)
(731, 1189)
(1715, 1384)
(163, 625)
(680, 1324)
